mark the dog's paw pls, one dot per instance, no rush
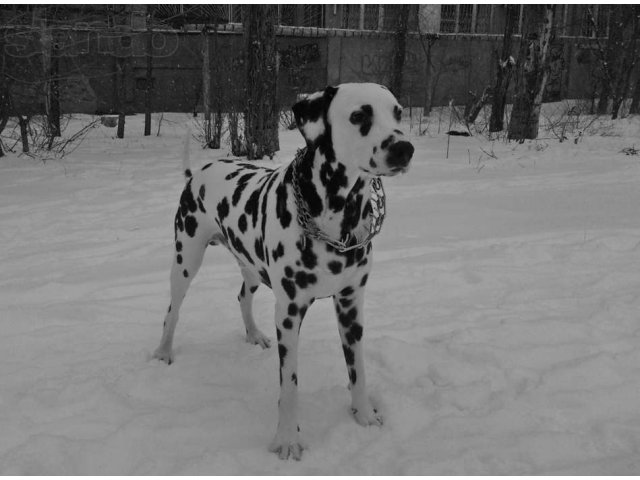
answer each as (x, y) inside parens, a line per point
(367, 415)
(287, 447)
(256, 337)
(164, 355)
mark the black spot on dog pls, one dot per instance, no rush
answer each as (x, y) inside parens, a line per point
(387, 142)
(249, 166)
(293, 309)
(242, 223)
(242, 183)
(264, 276)
(281, 206)
(223, 209)
(187, 202)
(226, 160)
(308, 256)
(353, 376)
(353, 209)
(303, 279)
(354, 334)
(294, 379)
(178, 246)
(346, 292)
(179, 259)
(251, 207)
(335, 267)
(282, 353)
(372, 163)
(179, 224)
(259, 248)
(237, 245)
(207, 166)
(190, 225)
(185, 273)
(348, 355)
(345, 302)
(365, 125)
(303, 310)
(278, 252)
(263, 208)
(307, 187)
(202, 191)
(333, 179)
(287, 323)
(289, 288)
(288, 271)
(242, 291)
(366, 211)
(253, 289)
(233, 174)
(347, 318)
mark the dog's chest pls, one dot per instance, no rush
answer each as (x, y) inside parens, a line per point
(256, 211)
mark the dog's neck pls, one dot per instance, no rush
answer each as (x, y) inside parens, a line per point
(337, 199)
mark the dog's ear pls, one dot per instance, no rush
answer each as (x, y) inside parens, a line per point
(311, 114)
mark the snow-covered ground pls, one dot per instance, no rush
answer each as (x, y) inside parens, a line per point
(502, 319)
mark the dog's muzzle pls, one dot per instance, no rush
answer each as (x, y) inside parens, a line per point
(399, 155)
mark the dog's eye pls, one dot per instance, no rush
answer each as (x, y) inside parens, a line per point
(357, 117)
(397, 113)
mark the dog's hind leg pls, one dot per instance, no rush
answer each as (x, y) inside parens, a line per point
(186, 263)
(249, 286)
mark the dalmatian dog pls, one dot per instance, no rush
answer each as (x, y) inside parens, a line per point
(280, 224)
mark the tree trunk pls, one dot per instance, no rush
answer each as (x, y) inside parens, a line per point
(426, 42)
(206, 86)
(611, 57)
(120, 96)
(400, 51)
(634, 109)
(24, 132)
(50, 64)
(629, 53)
(261, 109)
(149, 73)
(503, 75)
(532, 71)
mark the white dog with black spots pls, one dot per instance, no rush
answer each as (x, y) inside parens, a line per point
(352, 135)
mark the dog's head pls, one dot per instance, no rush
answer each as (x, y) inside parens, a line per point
(358, 124)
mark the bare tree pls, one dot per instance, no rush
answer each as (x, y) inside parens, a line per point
(400, 50)
(532, 69)
(504, 71)
(149, 73)
(261, 109)
(618, 56)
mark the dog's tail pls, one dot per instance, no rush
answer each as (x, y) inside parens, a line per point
(186, 162)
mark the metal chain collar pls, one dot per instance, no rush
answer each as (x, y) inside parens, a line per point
(309, 226)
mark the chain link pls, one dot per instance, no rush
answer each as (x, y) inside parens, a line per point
(309, 226)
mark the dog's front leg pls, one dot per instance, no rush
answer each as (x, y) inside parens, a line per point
(349, 308)
(289, 315)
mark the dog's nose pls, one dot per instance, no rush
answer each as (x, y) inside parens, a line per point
(400, 154)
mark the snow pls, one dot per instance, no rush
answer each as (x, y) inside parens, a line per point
(502, 327)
